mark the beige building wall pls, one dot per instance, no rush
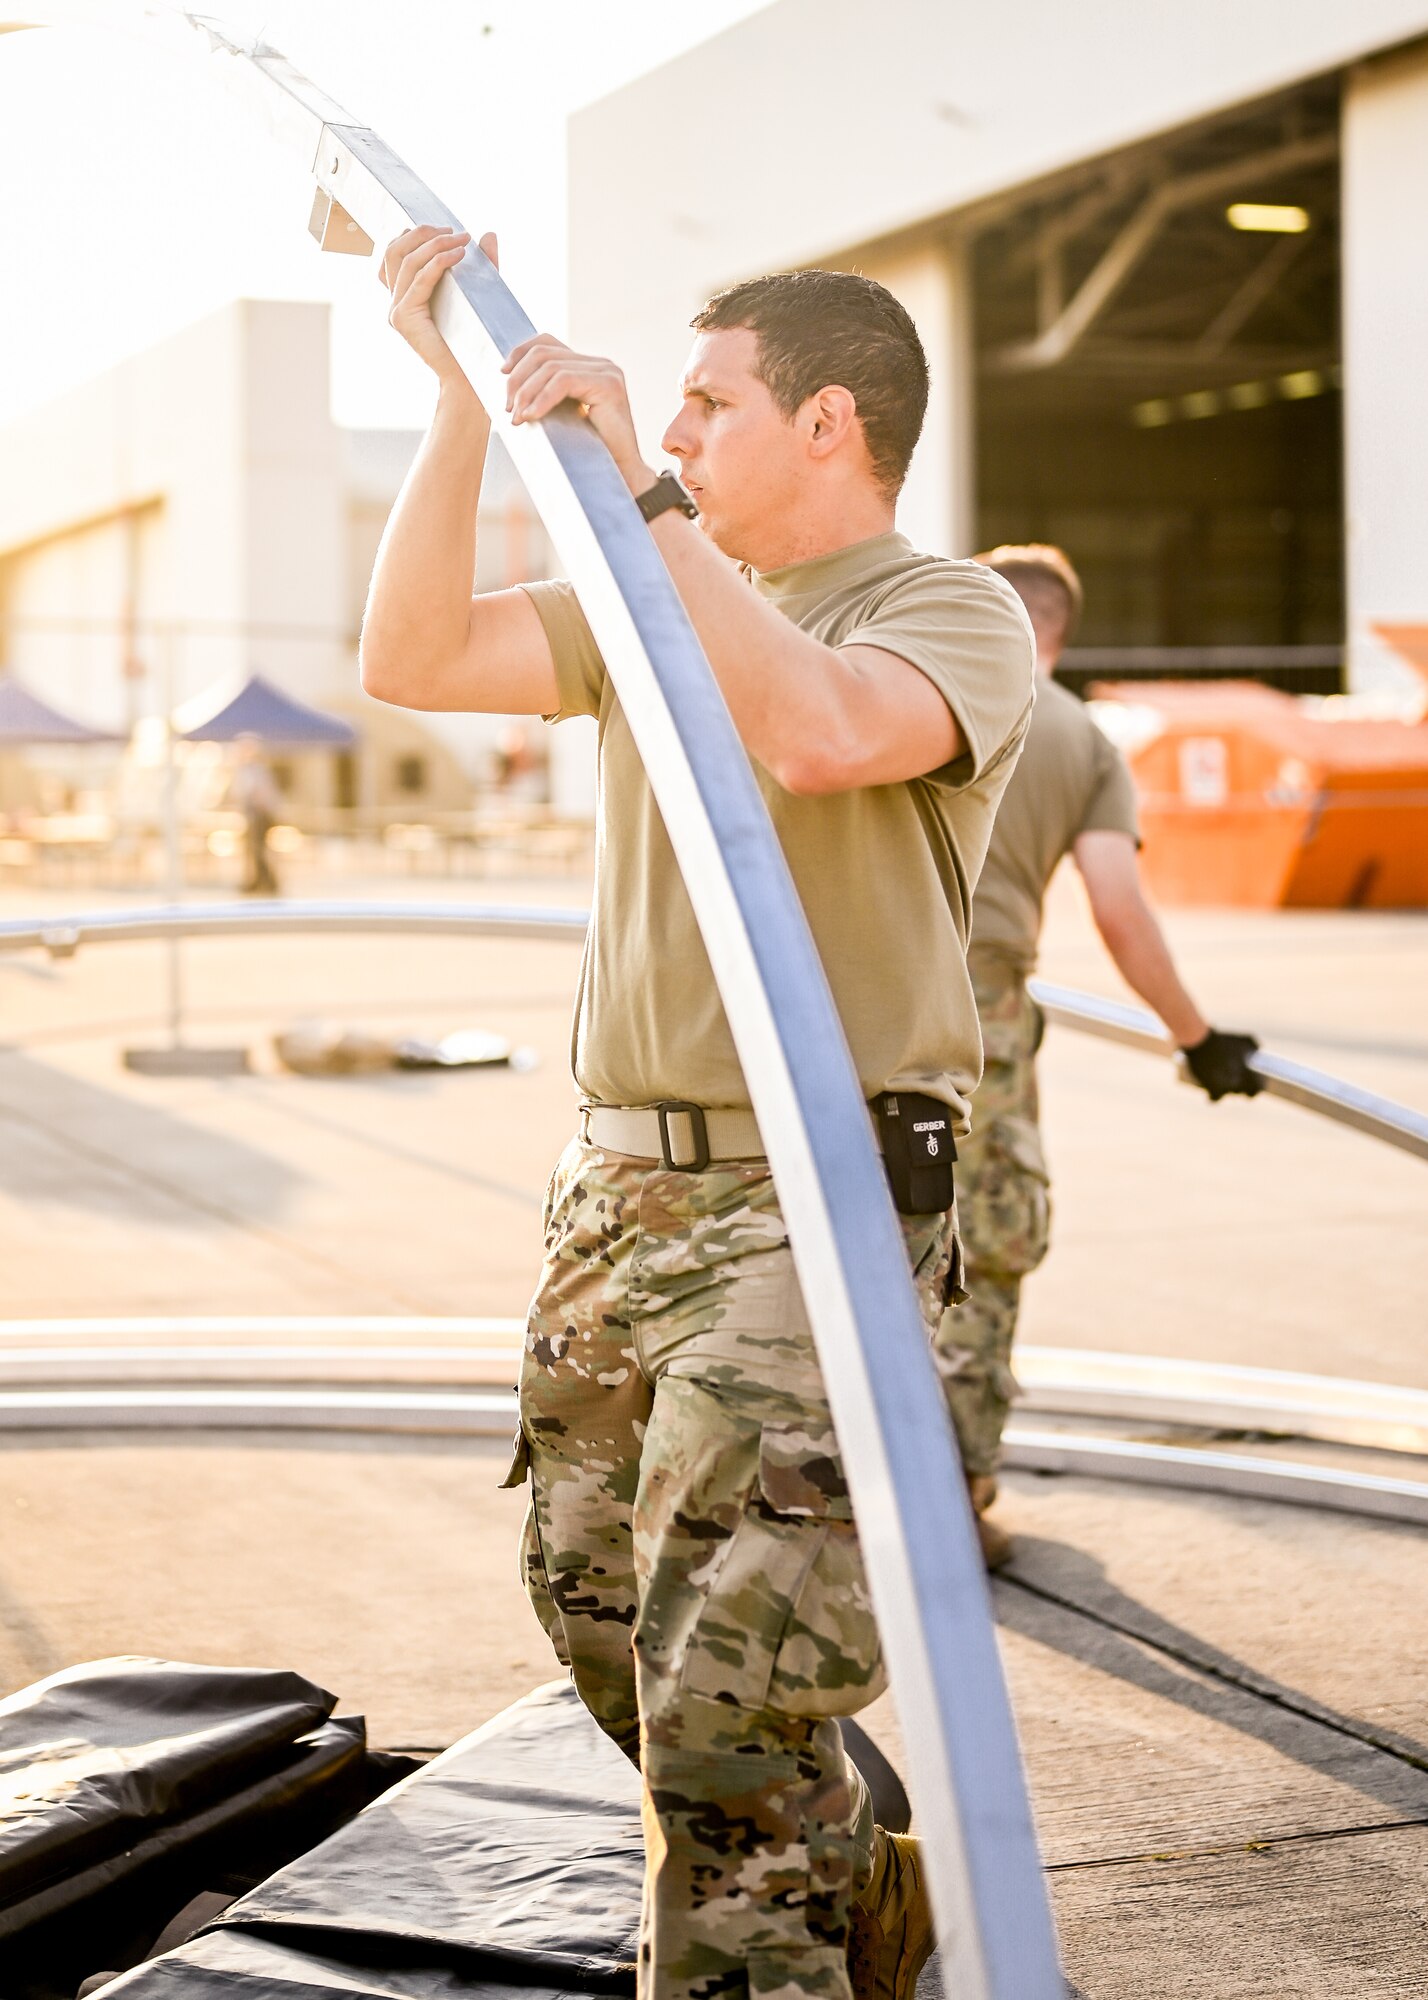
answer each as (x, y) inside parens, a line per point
(195, 515)
(811, 130)
(75, 607)
(216, 451)
(813, 135)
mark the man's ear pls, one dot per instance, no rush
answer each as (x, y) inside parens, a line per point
(830, 418)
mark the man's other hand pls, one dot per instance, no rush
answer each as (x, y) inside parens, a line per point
(543, 372)
(411, 267)
(1220, 1065)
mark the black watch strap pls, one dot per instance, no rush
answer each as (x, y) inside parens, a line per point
(664, 494)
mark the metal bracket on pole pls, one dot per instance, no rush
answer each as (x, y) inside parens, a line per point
(332, 228)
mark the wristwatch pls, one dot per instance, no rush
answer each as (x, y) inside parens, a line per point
(666, 492)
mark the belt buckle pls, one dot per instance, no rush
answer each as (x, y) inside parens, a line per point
(701, 1136)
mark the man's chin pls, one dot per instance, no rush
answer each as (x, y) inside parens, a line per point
(721, 533)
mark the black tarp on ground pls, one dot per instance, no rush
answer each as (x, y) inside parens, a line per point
(244, 1965)
(513, 1860)
(128, 1787)
(509, 1868)
(520, 1846)
(98, 1761)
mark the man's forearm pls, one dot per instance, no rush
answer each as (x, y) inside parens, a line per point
(1137, 944)
(418, 609)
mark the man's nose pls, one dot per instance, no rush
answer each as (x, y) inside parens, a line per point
(674, 441)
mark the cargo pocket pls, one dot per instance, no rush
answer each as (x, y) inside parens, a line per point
(954, 1283)
(1026, 1195)
(534, 1574)
(788, 1622)
(518, 1471)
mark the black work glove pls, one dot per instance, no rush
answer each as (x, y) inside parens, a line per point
(1220, 1066)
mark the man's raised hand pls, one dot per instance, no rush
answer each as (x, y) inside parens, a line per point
(411, 266)
(543, 372)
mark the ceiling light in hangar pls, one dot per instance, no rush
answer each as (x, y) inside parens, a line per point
(1270, 218)
(1291, 388)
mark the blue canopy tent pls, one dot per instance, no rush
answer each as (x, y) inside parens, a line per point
(25, 719)
(27, 723)
(262, 710)
(258, 710)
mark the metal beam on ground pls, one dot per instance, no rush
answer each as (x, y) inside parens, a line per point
(1314, 1090)
(1143, 1388)
(492, 1413)
(1149, 1388)
(1230, 1473)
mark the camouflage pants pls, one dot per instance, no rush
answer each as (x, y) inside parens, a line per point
(1004, 1216)
(690, 1550)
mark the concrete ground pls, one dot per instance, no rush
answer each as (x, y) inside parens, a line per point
(1222, 1703)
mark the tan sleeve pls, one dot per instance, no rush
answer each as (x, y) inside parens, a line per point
(1111, 807)
(966, 630)
(579, 666)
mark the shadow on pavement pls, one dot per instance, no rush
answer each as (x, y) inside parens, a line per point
(1111, 1631)
(71, 1143)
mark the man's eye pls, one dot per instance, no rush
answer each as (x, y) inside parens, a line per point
(712, 403)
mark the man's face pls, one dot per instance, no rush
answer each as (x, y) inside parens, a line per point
(738, 454)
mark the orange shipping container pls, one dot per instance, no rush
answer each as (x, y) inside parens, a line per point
(1249, 796)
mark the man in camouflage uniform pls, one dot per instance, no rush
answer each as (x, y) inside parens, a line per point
(1071, 793)
(690, 1546)
(670, 1382)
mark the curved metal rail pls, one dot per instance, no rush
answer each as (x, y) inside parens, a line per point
(924, 1568)
(442, 1351)
(1111, 1020)
(467, 1412)
(1314, 1089)
(423, 1375)
(62, 936)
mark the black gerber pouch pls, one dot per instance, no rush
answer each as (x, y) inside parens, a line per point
(918, 1150)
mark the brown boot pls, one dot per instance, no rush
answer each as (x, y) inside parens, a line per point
(890, 1934)
(997, 1547)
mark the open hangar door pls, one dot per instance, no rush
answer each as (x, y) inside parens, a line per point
(1158, 392)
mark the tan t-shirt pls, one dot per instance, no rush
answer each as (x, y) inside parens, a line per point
(1070, 780)
(885, 873)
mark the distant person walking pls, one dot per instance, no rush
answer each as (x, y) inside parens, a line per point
(253, 791)
(1070, 793)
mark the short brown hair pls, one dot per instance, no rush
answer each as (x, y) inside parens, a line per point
(820, 328)
(1043, 577)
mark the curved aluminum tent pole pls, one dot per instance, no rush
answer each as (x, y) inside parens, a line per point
(927, 1581)
(1312, 1089)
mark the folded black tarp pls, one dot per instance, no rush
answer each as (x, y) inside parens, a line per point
(519, 1849)
(245, 1965)
(102, 1764)
(509, 1866)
